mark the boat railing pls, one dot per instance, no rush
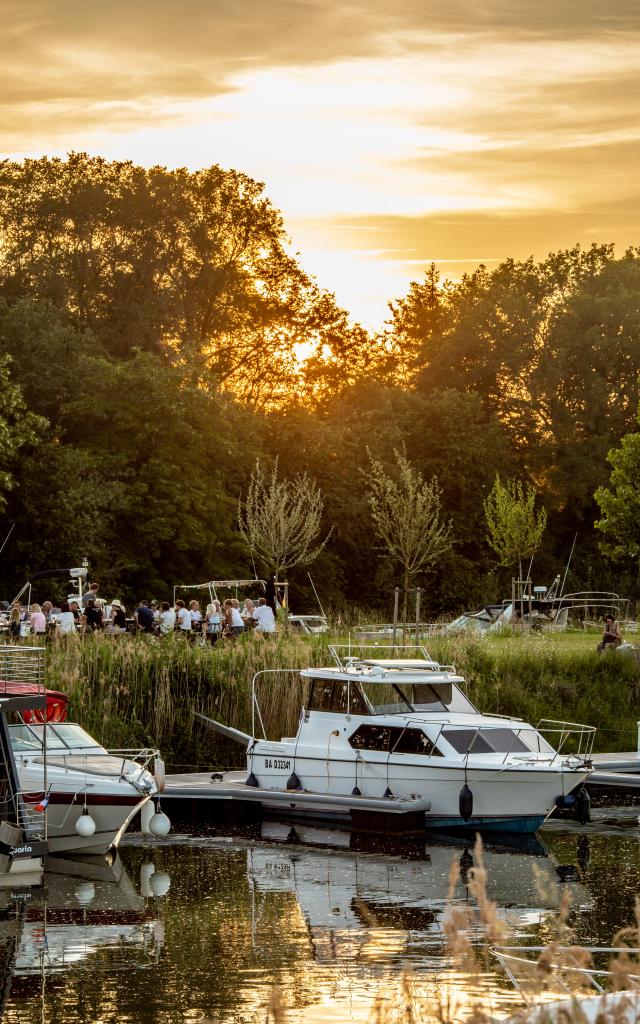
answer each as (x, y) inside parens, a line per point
(584, 735)
(387, 630)
(22, 664)
(567, 964)
(350, 655)
(20, 807)
(566, 732)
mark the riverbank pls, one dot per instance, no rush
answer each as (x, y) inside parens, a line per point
(135, 691)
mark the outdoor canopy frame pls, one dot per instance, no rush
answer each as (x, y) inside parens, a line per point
(213, 585)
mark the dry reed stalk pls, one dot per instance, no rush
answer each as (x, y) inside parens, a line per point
(276, 1008)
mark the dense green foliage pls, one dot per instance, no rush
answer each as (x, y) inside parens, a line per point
(152, 320)
(620, 502)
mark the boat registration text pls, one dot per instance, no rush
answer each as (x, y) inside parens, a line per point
(275, 762)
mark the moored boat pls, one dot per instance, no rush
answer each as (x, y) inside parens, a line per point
(74, 794)
(402, 729)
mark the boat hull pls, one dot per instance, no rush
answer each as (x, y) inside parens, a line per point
(111, 812)
(506, 798)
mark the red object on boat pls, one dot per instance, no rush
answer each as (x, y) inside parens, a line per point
(56, 709)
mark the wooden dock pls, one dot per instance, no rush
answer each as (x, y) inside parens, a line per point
(193, 794)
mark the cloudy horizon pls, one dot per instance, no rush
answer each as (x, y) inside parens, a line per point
(389, 134)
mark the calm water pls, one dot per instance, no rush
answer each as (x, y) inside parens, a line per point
(205, 928)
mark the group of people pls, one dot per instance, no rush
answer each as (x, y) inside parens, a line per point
(90, 614)
(227, 619)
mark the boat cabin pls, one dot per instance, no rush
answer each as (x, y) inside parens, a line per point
(387, 687)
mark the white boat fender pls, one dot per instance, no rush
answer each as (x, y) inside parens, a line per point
(465, 803)
(159, 824)
(85, 893)
(159, 773)
(160, 883)
(146, 872)
(85, 825)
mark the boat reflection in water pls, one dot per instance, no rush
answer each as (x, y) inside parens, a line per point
(342, 883)
(88, 910)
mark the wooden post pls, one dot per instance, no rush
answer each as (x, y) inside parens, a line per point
(417, 613)
(285, 602)
(513, 606)
(396, 608)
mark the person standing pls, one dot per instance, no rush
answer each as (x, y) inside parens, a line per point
(90, 595)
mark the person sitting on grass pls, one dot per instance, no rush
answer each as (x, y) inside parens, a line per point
(612, 636)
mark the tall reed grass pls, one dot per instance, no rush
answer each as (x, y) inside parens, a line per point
(133, 691)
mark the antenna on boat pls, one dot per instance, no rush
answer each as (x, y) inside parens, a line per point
(564, 579)
(316, 593)
(11, 531)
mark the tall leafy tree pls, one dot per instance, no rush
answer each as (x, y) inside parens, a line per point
(407, 517)
(515, 526)
(620, 501)
(281, 520)
(18, 427)
(195, 265)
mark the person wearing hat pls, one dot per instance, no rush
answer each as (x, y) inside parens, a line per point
(118, 617)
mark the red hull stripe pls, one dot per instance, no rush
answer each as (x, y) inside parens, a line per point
(90, 799)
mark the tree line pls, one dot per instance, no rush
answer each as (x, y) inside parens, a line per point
(150, 325)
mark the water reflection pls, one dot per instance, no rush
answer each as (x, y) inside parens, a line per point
(205, 927)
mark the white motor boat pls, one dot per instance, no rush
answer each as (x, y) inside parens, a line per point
(90, 794)
(402, 729)
(73, 794)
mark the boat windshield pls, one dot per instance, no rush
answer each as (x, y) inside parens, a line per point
(61, 736)
(393, 699)
(366, 697)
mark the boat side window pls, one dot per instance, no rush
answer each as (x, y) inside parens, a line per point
(412, 741)
(394, 739)
(371, 737)
(486, 741)
(336, 695)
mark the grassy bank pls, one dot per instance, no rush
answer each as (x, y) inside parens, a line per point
(131, 691)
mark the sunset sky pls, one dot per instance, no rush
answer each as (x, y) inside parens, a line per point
(389, 132)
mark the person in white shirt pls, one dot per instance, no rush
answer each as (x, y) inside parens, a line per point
(264, 618)
(234, 622)
(167, 621)
(65, 620)
(183, 617)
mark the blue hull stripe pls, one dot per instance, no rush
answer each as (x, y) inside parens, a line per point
(531, 824)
